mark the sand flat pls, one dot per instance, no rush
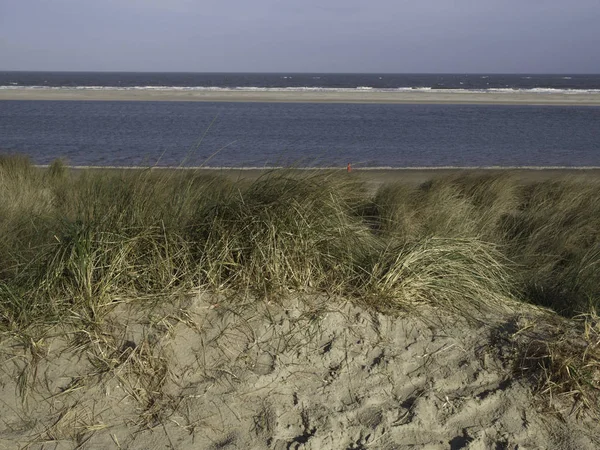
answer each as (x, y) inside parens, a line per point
(376, 177)
(426, 97)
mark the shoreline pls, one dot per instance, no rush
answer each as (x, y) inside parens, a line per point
(376, 177)
(420, 97)
(337, 168)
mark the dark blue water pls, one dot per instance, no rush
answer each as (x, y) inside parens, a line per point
(127, 80)
(274, 134)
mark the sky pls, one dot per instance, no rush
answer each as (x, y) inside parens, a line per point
(382, 36)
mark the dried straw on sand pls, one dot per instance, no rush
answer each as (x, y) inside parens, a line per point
(310, 373)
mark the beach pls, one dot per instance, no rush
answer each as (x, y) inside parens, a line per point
(374, 178)
(417, 175)
(303, 373)
(276, 226)
(425, 308)
(308, 96)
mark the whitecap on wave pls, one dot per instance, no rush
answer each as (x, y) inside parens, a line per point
(539, 90)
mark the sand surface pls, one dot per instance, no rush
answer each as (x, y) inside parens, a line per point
(508, 98)
(297, 373)
(374, 178)
(413, 176)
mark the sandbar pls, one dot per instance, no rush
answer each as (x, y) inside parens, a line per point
(374, 178)
(407, 97)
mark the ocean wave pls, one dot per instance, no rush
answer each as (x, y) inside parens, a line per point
(537, 90)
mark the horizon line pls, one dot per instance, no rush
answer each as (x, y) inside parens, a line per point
(300, 72)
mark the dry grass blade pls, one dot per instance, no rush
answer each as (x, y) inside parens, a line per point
(563, 359)
(72, 245)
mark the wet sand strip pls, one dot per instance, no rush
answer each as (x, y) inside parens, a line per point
(408, 97)
(375, 177)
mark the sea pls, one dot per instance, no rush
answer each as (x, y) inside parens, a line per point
(212, 134)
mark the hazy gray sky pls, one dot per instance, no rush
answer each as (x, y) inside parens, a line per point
(301, 36)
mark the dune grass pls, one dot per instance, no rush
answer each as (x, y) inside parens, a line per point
(86, 237)
(77, 241)
(549, 230)
(73, 243)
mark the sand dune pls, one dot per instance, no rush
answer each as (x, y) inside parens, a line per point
(434, 97)
(303, 373)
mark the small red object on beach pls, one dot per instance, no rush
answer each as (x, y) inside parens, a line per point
(349, 167)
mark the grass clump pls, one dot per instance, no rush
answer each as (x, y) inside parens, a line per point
(95, 236)
(282, 232)
(85, 237)
(561, 357)
(550, 230)
(456, 206)
(75, 243)
(459, 274)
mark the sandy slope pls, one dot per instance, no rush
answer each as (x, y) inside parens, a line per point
(311, 373)
(435, 97)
